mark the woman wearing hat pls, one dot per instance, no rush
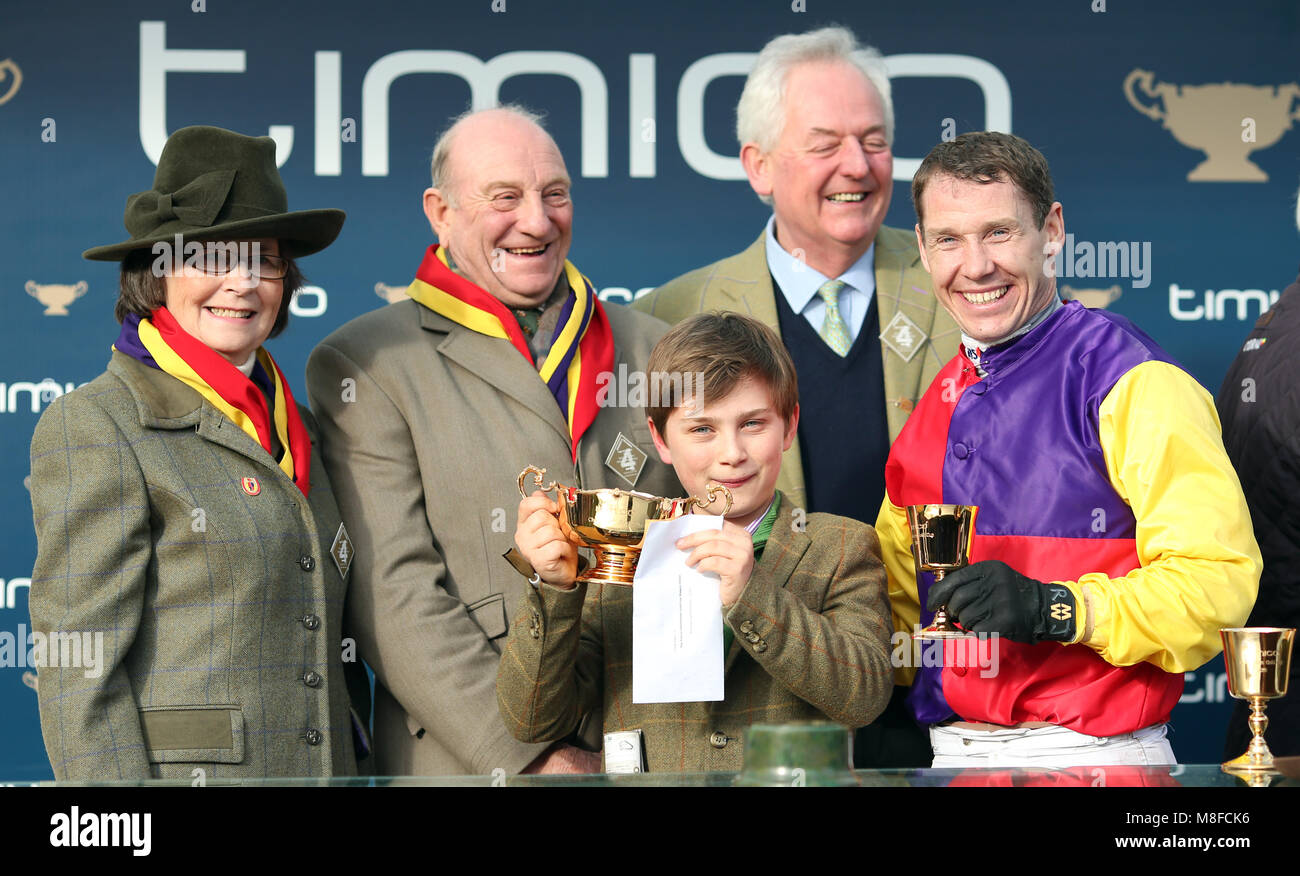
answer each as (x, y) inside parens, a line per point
(187, 536)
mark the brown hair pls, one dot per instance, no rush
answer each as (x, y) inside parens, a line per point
(724, 349)
(141, 291)
(985, 157)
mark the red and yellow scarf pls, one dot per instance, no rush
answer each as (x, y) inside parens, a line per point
(583, 347)
(173, 350)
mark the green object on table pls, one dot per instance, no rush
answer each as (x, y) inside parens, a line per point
(813, 753)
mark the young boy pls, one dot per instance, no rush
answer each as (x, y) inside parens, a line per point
(807, 620)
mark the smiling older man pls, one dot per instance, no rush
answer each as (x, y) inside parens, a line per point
(429, 409)
(847, 295)
(1112, 539)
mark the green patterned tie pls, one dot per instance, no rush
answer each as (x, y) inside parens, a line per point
(834, 332)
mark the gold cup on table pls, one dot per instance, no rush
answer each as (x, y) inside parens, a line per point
(1258, 661)
(941, 536)
(612, 522)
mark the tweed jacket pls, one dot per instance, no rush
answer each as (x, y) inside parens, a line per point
(812, 642)
(743, 283)
(218, 600)
(427, 425)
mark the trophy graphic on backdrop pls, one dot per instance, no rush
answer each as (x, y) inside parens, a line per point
(941, 537)
(613, 522)
(1210, 118)
(1258, 661)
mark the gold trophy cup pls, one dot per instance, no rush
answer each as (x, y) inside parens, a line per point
(613, 522)
(1258, 661)
(941, 537)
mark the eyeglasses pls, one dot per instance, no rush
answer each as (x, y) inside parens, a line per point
(220, 259)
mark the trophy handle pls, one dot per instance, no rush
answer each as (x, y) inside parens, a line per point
(711, 492)
(1145, 79)
(537, 480)
(1294, 90)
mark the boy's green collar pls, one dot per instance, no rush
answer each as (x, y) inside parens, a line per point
(764, 531)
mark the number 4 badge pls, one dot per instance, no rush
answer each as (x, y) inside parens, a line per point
(626, 459)
(341, 551)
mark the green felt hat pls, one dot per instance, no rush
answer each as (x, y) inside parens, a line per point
(214, 184)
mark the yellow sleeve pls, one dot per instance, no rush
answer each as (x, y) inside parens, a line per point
(1200, 564)
(896, 551)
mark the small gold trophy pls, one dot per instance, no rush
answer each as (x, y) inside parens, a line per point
(941, 536)
(1258, 661)
(612, 522)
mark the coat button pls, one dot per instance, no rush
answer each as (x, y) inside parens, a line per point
(961, 451)
(312, 679)
(761, 646)
(751, 638)
(306, 563)
(980, 388)
(311, 622)
(718, 739)
(747, 627)
(313, 737)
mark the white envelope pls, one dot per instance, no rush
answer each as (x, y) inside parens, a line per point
(676, 619)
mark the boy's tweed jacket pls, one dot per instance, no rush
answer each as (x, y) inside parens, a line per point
(812, 642)
(220, 610)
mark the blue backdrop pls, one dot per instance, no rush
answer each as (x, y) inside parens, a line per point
(1126, 100)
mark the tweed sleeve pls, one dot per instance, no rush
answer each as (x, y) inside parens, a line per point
(1200, 564)
(90, 506)
(834, 656)
(550, 674)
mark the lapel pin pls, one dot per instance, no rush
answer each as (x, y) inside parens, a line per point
(626, 459)
(903, 336)
(341, 551)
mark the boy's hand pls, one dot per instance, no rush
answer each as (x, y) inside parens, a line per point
(728, 551)
(540, 540)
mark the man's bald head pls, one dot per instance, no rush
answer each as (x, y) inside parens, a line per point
(500, 204)
(441, 169)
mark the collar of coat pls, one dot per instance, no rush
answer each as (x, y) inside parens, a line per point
(162, 401)
(785, 547)
(736, 277)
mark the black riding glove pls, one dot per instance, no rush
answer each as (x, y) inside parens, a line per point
(992, 597)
